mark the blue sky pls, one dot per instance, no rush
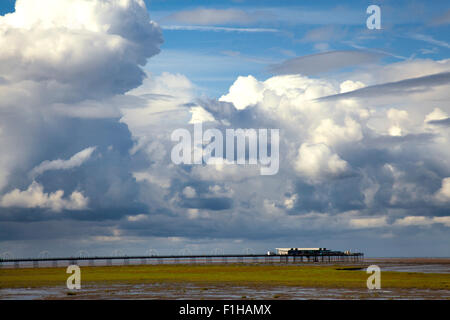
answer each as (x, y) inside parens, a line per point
(251, 52)
(88, 102)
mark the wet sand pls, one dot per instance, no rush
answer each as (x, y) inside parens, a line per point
(188, 291)
(423, 265)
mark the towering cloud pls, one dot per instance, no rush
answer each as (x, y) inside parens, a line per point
(68, 50)
(65, 66)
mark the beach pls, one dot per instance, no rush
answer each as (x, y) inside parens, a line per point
(401, 278)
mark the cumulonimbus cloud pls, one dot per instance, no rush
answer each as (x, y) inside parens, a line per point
(69, 56)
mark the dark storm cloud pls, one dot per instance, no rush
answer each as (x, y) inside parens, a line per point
(442, 122)
(105, 178)
(215, 204)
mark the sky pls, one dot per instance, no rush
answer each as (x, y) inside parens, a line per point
(92, 90)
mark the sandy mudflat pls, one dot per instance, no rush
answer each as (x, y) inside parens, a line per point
(424, 265)
(194, 291)
(403, 278)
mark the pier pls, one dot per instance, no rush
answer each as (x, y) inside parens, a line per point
(321, 257)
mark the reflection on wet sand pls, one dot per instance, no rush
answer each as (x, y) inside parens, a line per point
(194, 291)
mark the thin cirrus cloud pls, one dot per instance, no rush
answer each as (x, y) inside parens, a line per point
(204, 16)
(325, 62)
(216, 29)
(418, 84)
(294, 15)
(431, 40)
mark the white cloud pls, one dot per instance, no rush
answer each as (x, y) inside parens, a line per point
(221, 170)
(436, 114)
(317, 162)
(193, 214)
(277, 93)
(160, 181)
(189, 192)
(330, 134)
(35, 197)
(137, 218)
(362, 223)
(221, 191)
(289, 202)
(166, 85)
(244, 92)
(443, 220)
(443, 194)
(63, 50)
(399, 119)
(200, 115)
(75, 161)
(350, 85)
(413, 221)
(168, 107)
(316, 138)
(67, 58)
